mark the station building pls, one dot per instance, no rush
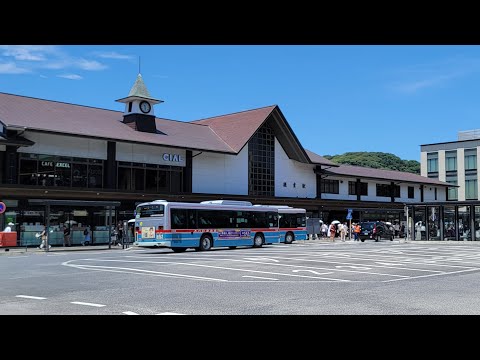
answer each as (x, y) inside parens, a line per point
(456, 163)
(84, 161)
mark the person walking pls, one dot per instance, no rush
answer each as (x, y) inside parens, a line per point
(343, 231)
(43, 236)
(66, 235)
(87, 240)
(8, 228)
(333, 231)
(356, 232)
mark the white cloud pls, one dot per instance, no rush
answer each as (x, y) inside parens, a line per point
(31, 58)
(12, 68)
(88, 65)
(27, 52)
(418, 77)
(115, 55)
(70, 76)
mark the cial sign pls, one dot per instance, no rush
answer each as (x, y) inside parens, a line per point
(3, 207)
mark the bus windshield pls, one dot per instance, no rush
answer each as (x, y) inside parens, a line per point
(150, 210)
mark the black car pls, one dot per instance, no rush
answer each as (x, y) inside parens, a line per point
(375, 230)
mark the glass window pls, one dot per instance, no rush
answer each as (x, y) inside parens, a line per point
(452, 193)
(383, 190)
(151, 180)
(176, 181)
(124, 178)
(449, 228)
(451, 160)
(139, 179)
(352, 188)
(471, 192)
(79, 175)
(261, 160)
(419, 224)
(179, 218)
(28, 172)
(411, 192)
(329, 186)
(46, 170)
(470, 159)
(63, 174)
(433, 222)
(464, 223)
(432, 162)
(477, 223)
(95, 176)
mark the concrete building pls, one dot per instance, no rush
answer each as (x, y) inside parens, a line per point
(53, 151)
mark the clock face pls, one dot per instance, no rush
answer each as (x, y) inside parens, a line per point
(145, 107)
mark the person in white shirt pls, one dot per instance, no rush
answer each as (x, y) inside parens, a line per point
(9, 227)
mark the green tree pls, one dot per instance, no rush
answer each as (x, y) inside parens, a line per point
(376, 160)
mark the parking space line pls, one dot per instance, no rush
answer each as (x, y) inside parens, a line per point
(258, 277)
(130, 313)
(169, 313)
(31, 297)
(87, 304)
(430, 275)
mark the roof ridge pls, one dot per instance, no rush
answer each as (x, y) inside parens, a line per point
(237, 112)
(59, 102)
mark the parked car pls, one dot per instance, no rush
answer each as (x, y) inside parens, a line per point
(375, 230)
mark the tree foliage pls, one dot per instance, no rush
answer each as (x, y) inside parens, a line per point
(376, 160)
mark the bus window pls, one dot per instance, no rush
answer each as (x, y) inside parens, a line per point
(149, 210)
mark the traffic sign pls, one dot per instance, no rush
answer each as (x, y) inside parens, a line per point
(3, 207)
(349, 214)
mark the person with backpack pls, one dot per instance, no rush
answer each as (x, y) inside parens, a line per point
(87, 240)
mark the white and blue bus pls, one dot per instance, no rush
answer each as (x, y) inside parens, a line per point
(292, 223)
(217, 223)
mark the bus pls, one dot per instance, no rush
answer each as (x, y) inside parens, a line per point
(215, 223)
(292, 223)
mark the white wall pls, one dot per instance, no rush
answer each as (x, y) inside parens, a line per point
(442, 174)
(461, 173)
(423, 163)
(220, 173)
(3, 148)
(50, 144)
(291, 171)
(149, 154)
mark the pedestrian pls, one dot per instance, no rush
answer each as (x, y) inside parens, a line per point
(43, 236)
(343, 231)
(66, 235)
(87, 236)
(119, 233)
(324, 230)
(402, 231)
(356, 232)
(8, 228)
(333, 231)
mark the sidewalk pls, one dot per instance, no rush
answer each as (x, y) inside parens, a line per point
(57, 249)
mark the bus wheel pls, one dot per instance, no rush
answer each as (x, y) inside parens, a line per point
(258, 240)
(205, 243)
(179, 250)
(289, 238)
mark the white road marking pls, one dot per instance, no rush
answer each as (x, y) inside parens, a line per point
(130, 313)
(31, 297)
(312, 271)
(130, 270)
(261, 258)
(258, 277)
(353, 267)
(169, 313)
(16, 257)
(87, 304)
(423, 276)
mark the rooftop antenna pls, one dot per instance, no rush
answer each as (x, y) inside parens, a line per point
(139, 65)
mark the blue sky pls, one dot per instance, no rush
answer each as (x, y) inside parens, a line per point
(336, 98)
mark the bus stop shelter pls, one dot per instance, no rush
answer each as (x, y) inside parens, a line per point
(48, 203)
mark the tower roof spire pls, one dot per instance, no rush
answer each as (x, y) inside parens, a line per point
(139, 91)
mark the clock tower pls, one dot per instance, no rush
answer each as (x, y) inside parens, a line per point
(139, 107)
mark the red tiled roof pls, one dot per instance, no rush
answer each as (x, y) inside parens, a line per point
(390, 175)
(45, 115)
(317, 159)
(236, 129)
